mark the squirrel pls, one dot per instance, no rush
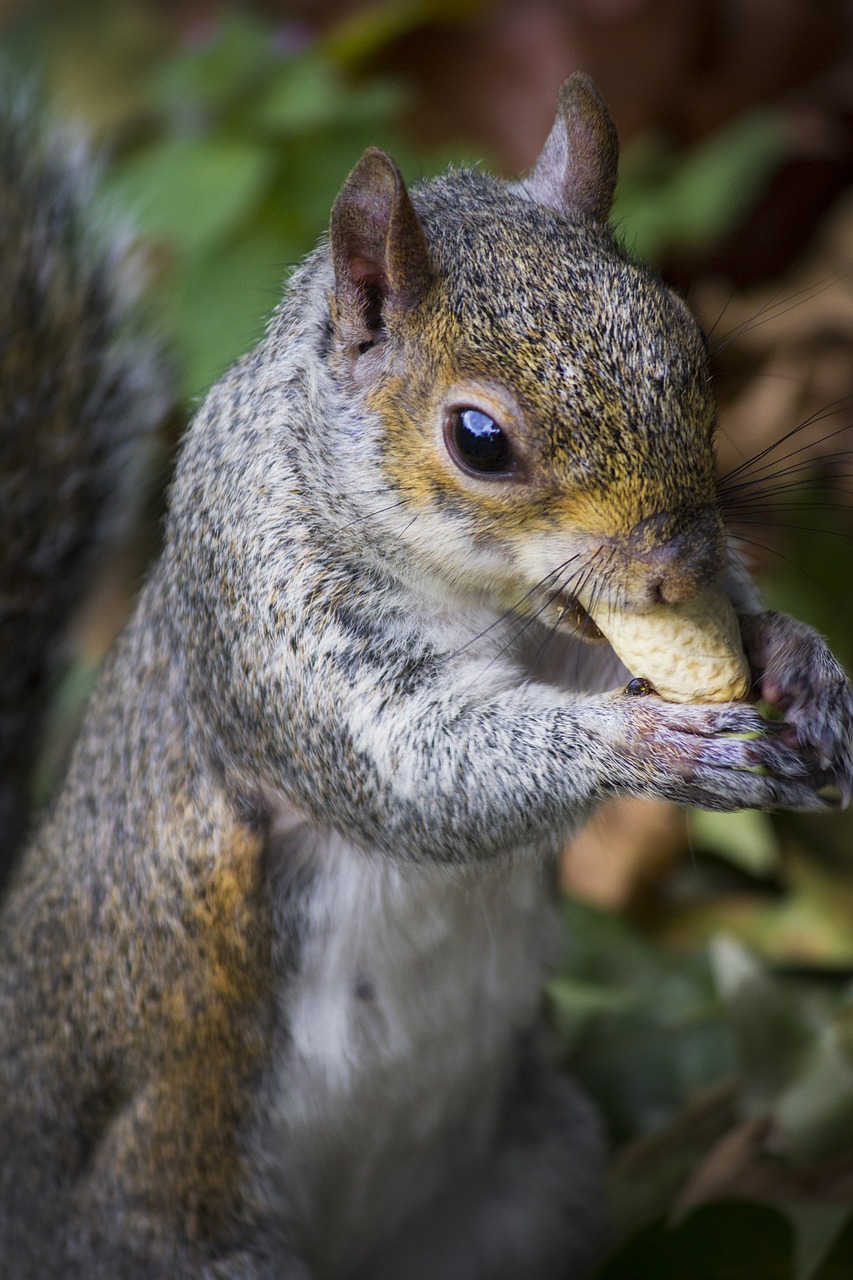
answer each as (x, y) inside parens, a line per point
(271, 966)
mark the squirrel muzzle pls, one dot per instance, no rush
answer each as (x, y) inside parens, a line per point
(671, 559)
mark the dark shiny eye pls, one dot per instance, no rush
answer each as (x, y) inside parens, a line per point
(478, 442)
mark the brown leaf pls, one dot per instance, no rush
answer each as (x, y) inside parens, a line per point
(743, 1163)
(622, 850)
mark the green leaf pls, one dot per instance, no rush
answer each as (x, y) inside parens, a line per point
(722, 178)
(694, 198)
(232, 56)
(818, 1230)
(307, 94)
(193, 192)
(774, 1022)
(574, 1003)
(746, 839)
(814, 1116)
(220, 305)
(644, 1030)
(370, 27)
(838, 1263)
(316, 166)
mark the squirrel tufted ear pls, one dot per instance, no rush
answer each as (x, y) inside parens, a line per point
(379, 249)
(576, 172)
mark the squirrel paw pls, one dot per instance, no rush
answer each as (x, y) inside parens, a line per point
(724, 756)
(795, 672)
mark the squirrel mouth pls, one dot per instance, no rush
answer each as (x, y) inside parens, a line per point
(574, 618)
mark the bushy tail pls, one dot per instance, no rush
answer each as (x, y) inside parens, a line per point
(80, 393)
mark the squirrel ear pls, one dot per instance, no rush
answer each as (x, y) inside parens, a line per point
(379, 248)
(576, 172)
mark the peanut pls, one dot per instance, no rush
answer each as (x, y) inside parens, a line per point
(689, 652)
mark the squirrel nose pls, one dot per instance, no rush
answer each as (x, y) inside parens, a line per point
(679, 557)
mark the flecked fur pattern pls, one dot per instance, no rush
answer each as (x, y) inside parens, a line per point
(271, 973)
(81, 392)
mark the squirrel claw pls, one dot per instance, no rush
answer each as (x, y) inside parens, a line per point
(796, 673)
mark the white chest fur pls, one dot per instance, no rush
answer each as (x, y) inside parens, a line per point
(413, 987)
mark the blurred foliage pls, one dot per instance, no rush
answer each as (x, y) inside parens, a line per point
(644, 1029)
(366, 30)
(255, 138)
(672, 199)
(236, 141)
(250, 129)
(232, 143)
(737, 1240)
(258, 129)
(811, 580)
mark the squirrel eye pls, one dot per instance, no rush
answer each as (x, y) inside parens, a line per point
(477, 442)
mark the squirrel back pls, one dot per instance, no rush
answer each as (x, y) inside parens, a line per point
(81, 390)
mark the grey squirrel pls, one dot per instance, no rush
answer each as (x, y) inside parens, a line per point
(271, 966)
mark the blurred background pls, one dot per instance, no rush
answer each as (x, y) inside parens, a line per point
(706, 999)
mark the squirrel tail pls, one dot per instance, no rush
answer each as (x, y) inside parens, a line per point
(81, 393)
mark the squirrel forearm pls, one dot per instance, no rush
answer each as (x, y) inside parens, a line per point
(432, 772)
(498, 778)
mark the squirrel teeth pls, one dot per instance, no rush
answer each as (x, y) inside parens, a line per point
(689, 652)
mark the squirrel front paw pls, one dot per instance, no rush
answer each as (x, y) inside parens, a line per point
(794, 671)
(724, 756)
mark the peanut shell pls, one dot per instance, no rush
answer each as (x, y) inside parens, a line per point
(690, 652)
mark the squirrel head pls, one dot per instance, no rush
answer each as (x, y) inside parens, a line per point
(543, 402)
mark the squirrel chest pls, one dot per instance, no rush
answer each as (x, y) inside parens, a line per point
(411, 987)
